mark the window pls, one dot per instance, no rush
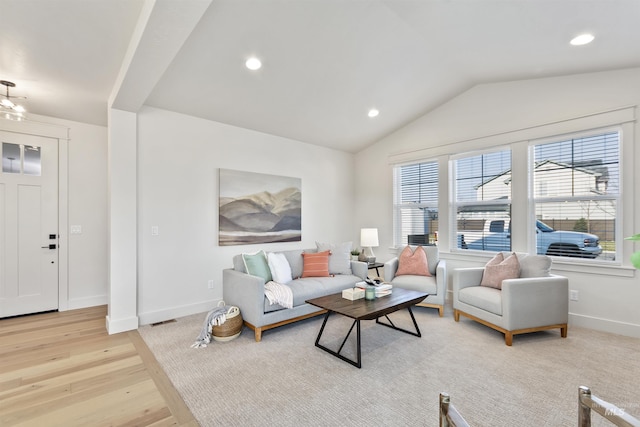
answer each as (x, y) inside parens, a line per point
(482, 201)
(576, 186)
(23, 159)
(415, 206)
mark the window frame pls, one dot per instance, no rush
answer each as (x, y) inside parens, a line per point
(454, 204)
(398, 205)
(616, 198)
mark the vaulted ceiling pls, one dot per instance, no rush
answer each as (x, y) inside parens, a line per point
(326, 63)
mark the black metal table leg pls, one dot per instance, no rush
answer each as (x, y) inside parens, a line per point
(357, 363)
(417, 333)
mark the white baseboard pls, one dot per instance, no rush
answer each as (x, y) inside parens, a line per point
(115, 326)
(94, 301)
(605, 325)
(175, 312)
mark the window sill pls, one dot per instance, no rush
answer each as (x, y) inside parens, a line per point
(593, 268)
(559, 265)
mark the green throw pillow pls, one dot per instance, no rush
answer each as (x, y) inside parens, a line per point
(256, 265)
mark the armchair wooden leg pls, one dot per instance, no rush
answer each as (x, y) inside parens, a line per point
(508, 338)
(258, 333)
(456, 315)
(563, 331)
(441, 311)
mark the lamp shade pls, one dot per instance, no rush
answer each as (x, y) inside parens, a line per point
(369, 237)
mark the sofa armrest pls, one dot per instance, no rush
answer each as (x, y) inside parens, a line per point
(244, 291)
(535, 301)
(441, 277)
(390, 268)
(360, 269)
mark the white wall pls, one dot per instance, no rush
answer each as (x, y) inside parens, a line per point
(608, 296)
(178, 161)
(88, 266)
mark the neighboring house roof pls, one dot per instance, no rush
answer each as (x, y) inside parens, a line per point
(592, 167)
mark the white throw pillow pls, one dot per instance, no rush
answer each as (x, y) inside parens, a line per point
(280, 268)
(340, 258)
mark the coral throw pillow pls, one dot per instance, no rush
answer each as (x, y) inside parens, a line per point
(413, 262)
(499, 269)
(315, 265)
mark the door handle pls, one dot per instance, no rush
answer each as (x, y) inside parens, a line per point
(51, 246)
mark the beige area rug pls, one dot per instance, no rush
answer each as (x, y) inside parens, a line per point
(286, 381)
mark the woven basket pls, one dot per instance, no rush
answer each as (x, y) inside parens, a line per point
(231, 328)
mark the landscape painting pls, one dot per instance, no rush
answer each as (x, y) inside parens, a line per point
(259, 208)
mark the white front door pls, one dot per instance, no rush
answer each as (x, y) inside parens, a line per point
(28, 224)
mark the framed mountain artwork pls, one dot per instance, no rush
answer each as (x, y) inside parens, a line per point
(258, 208)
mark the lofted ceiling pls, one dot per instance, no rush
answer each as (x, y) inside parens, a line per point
(326, 63)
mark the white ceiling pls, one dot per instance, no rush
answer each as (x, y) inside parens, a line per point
(325, 62)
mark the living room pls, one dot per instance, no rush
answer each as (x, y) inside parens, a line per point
(178, 157)
(159, 168)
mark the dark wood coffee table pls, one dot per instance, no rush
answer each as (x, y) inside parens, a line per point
(362, 309)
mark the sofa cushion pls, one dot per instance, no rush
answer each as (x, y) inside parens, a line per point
(256, 264)
(295, 261)
(313, 287)
(482, 297)
(315, 264)
(535, 266)
(340, 258)
(495, 271)
(238, 264)
(279, 266)
(416, 283)
(413, 262)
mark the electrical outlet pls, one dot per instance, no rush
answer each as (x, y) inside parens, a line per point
(155, 230)
(210, 284)
(573, 295)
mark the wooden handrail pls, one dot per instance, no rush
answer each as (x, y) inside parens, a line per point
(449, 415)
(587, 402)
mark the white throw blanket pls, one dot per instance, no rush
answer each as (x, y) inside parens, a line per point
(277, 293)
(217, 317)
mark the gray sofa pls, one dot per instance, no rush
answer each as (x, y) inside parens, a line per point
(247, 292)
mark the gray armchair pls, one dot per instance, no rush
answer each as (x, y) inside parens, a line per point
(435, 285)
(534, 302)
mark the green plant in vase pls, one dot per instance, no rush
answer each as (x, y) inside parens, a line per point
(355, 253)
(635, 257)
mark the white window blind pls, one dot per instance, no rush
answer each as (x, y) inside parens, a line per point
(415, 203)
(482, 186)
(576, 186)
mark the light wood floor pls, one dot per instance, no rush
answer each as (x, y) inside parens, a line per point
(63, 369)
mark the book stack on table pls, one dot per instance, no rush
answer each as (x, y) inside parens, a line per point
(382, 289)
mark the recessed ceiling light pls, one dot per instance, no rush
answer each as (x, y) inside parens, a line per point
(582, 39)
(253, 63)
(373, 112)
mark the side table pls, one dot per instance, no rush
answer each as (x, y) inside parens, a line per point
(375, 265)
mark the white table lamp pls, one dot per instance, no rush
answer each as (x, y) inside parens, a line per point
(368, 240)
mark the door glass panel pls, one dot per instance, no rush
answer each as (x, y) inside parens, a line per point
(10, 158)
(32, 163)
